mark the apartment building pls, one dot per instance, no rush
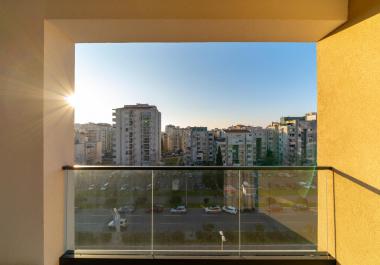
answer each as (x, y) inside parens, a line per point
(259, 138)
(185, 139)
(272, 133)
(239, 146)
(137, 135)
(93, 143)
(99, 137)
(220, 142)
(200, 148)
(297, 140)
(246, 145)
(174, 138)
(164, 142)
(309, 139)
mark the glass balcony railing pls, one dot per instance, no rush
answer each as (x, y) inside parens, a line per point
(195, 210)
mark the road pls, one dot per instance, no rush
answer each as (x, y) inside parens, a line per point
(95, 220)
(189, 225)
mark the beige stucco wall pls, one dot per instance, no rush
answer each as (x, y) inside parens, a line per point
(21, 141)
(58, 144)
(348, 129)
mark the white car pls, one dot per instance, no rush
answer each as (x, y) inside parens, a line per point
(91, 187)
(178, 209)
(213, 209)
(124, 187)
(123, 223)
(105, 186)
(230, 209)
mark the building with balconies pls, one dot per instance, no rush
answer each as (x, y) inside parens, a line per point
(100, 133)
(137, 135)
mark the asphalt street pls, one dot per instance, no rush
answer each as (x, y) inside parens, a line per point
(96, 220)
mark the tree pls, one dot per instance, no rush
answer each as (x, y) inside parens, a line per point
(269, 159)
(175, 199)
(219, 157)
(214, 179)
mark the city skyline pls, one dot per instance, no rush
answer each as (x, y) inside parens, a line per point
(136, 138)
(205, 125)
(260, 81)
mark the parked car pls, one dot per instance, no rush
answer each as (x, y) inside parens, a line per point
(130, 208)
(157, 208)
(213, 209)
(230, 209)
(105, 186)
(248, 210)
(300, 207)
(178, 209)
(91, 187)
(124, 187)
(123, 224)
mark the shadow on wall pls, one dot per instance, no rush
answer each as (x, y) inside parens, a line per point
(356, 181)
(359, 10)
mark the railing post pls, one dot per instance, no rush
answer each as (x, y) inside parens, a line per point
(239, 246)
(70, 210)
(334, 210)
(152, 217)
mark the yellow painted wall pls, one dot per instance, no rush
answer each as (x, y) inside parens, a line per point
(349, 129)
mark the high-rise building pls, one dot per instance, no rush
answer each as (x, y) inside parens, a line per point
(98, 132)
(174, 138)
(200, 146)
(298, 140)
(308, 130)
(137, 135)
(239, 146)
(164, 142)
(260, 145)
(220, 143)
(272, 133)
(93, 143)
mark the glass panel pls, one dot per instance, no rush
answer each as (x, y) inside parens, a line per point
(105, 198)
(198, 211)
(191, 215)
(279, 210)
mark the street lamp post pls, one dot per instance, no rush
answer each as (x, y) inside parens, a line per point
(223, 239)
(187, 175)
(186, 190)
(116, 222)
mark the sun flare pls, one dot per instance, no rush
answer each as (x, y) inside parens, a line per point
(71, 100)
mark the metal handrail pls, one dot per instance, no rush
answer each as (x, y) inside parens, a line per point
(112, 167)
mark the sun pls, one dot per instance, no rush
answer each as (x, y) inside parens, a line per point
(72, 100)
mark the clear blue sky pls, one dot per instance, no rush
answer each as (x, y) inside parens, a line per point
(197, 84)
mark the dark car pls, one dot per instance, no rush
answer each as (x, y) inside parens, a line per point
(157, 208)
(130, 208)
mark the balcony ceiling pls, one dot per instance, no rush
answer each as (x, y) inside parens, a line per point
(197, 20)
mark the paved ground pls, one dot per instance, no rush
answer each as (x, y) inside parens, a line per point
(95, 220)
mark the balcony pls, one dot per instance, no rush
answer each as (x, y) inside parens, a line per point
(270, 215)
(37, 63)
